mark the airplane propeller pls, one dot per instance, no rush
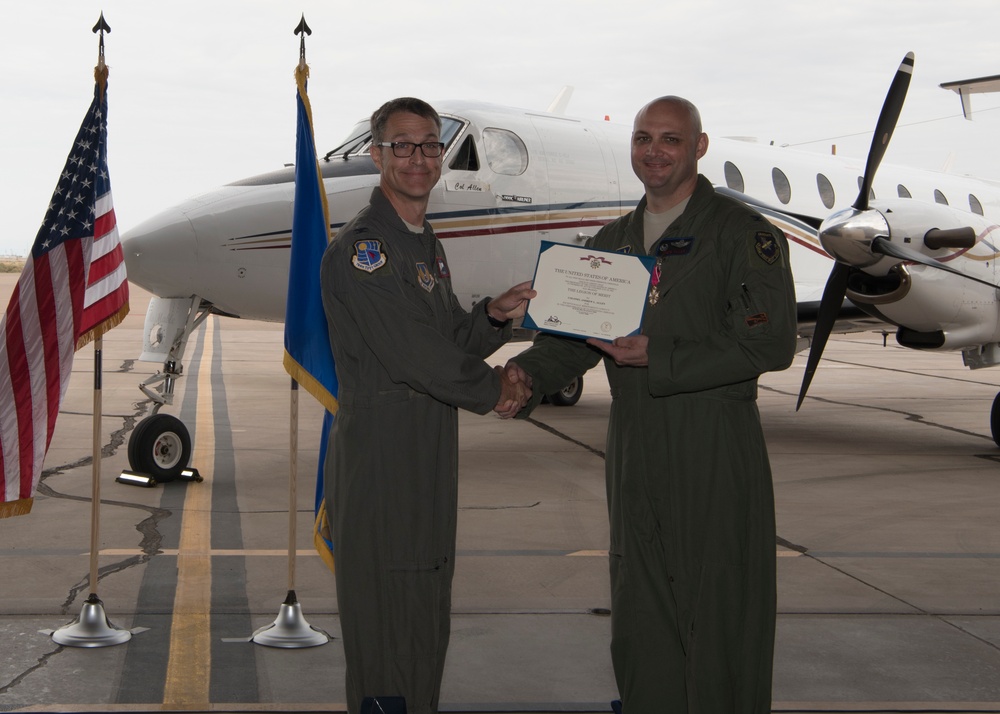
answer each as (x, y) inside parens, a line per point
(886, 247)
(836, 285)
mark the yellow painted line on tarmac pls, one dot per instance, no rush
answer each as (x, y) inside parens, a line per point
(210, 552)
(604, 553)
(189, 666)
(200, 549)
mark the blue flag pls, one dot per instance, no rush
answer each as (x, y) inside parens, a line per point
(308, 358)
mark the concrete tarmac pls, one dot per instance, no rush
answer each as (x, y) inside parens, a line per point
(887, 487)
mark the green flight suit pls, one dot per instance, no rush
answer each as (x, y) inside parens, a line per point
(407, 355)
(690, 497)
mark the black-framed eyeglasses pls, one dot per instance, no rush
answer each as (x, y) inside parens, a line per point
(405, 149)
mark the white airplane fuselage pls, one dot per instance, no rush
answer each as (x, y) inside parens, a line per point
(512, 178)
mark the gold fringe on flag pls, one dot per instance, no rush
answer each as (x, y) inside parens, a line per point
(322, 536)
(92, 334)
(20, 507)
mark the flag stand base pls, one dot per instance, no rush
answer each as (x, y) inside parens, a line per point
(290, 628)
(91, 629)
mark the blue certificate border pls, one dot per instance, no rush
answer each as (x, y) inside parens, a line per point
(647, 261)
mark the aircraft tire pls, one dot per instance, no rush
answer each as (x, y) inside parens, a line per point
(995, 420)
(160, 446)
(568, 395)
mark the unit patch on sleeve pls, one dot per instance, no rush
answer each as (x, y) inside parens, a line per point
(424, 277)
(767, 247)
(368, 255)
(443, 271)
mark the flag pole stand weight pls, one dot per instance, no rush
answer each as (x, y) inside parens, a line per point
(290, 629)
(91, 629)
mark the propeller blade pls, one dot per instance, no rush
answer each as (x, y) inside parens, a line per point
(812, 221)
(887, 247)
(891, 109)
(829, 308)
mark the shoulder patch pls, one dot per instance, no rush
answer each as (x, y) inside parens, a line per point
(368, 255)
(767, 247)
(625, 250)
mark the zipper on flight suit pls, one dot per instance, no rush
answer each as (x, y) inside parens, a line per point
(752, 316)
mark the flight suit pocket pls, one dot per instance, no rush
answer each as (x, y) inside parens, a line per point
(746, 316)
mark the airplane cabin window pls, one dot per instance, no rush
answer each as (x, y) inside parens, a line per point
(903, 192)
(505, 152)
(734, 179)
(826, 192)
(940, 197)
(782, 188)
(871, 191)
(975, 206)
(466, 158)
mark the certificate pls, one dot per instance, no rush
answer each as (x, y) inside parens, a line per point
(584, 292)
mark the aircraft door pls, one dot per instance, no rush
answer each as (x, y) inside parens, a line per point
(581, 178)
(485, 208)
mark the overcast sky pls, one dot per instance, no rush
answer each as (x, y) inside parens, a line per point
(203, 93)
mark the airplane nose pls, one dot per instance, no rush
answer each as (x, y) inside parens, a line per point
(848, 236)
(159, 253)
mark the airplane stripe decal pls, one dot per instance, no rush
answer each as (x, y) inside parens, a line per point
(491, 221)
(811, 245)
(617, 206)
(497, 230)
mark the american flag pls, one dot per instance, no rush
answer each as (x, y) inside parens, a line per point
(72, 290)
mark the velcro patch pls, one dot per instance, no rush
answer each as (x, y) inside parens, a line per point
(368, 255)
(424, 277)
(757, 320)
(767, 247)
(670, 247)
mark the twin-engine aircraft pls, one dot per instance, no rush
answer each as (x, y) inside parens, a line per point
(911, 248)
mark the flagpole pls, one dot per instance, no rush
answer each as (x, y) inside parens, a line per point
(92, 628)
(290, 629)
(95, 503)
(293, 470)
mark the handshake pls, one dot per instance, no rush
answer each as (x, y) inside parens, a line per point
(515, 390)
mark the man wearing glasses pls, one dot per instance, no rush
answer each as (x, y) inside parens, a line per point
(408, 356)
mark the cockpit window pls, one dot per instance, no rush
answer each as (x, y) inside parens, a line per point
(359, 138)
(359, 141)
(466, 158)
(449, 130)
(505, 152)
